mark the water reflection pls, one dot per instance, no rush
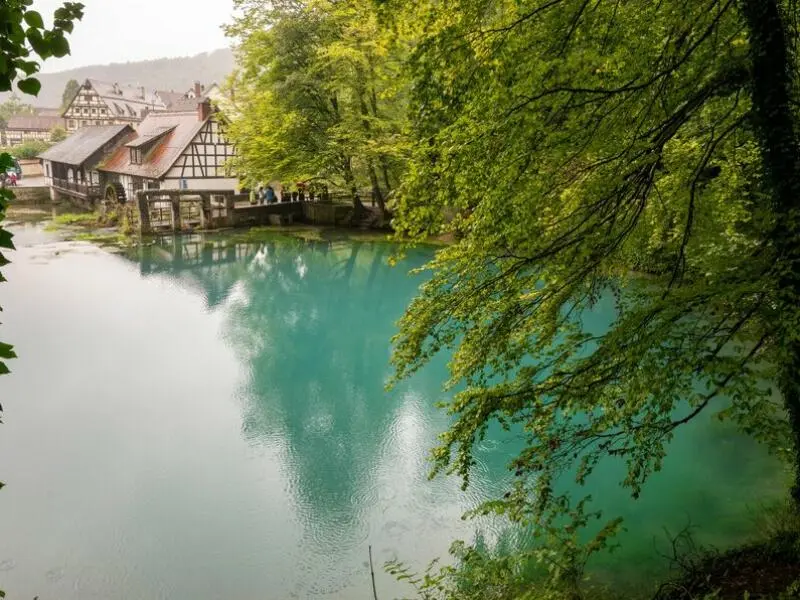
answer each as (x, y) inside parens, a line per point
(312, 321)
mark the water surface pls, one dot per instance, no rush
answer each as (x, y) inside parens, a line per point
(207, 419)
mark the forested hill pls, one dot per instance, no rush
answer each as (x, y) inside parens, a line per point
(163, 74)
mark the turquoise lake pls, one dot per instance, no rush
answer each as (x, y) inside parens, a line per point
(205, 419)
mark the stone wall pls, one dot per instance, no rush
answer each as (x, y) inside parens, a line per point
(31, 195)
(267, 214)
(31, 167)
(326, 214)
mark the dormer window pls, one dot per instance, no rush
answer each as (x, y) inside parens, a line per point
(145, 142)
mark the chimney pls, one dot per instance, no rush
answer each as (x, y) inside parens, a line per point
(203, 110)
(143, 93)
(198, 89)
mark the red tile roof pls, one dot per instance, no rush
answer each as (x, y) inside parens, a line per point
(165, 150)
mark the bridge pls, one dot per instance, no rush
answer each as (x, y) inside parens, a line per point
(179, 210)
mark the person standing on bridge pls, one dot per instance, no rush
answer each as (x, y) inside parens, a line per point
(270, 195)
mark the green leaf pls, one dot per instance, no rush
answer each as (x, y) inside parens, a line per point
(5, 239)
(29, 67)
(38, 43)
(4, 370)
(16, 34)
(65, 25)
(59, 45)
(34, 19)
(30, 86)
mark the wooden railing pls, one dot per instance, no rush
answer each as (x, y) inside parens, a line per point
(87, 191)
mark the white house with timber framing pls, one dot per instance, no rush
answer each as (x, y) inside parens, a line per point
(184, 149)
(102, 103)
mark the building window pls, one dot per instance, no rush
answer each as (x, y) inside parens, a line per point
(71, 124)
(47, 169)
(136, 156)
(153, 185)
(83, 123)
(136, 185)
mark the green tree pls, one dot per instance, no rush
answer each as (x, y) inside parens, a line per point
(565, 144)
(25, 35)
(58, 134)
(13, 107)
(317, 95)
(29, 149)
(70, 91)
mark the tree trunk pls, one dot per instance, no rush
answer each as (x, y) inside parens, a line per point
(376, 189)
(373, 176)
(777, 133)
(350, 182)
(385, 171)
(373, 100)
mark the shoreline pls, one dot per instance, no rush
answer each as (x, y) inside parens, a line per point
(88, 226)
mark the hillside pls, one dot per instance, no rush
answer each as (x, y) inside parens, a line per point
(163, 74)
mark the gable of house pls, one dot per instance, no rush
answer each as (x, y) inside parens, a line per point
(160, 138)
(206, 155)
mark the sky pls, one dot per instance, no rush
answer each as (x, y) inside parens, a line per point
(131, 30)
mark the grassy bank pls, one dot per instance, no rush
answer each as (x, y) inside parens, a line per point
(318, 233)
(95, 227)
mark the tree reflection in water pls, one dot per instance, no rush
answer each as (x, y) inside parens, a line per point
(312, 321)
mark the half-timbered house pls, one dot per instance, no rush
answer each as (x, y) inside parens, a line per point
(102, 103)
(29, 128)
(172, 150)
(70, 167)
